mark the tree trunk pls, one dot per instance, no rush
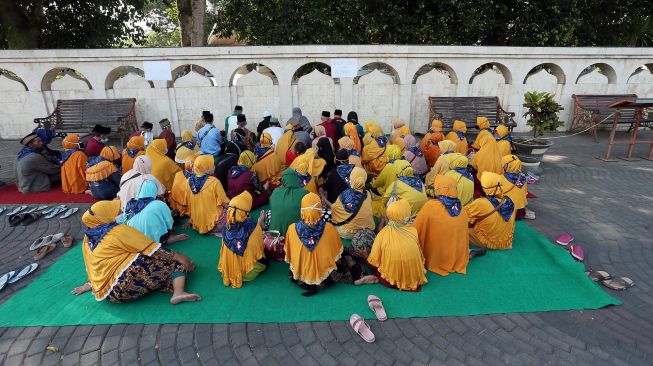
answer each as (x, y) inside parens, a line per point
(22, 28)
(191, 22)
(199, 11)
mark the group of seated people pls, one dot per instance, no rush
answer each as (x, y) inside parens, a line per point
(407, 205)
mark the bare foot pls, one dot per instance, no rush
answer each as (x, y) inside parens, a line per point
(366, 280)
(184, 297)
(177, 237)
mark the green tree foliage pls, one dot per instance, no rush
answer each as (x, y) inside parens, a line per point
(441, 22)
(69, 23)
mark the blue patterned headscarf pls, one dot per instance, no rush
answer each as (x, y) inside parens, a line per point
(452, 204)
(131, 152)
(26, 151)
(344, 171)
(506, 208)
(236, 235)
(351, 199)
(381, 141)
(237, 170)
(518, 179)
(67, 154)
(260, 151)
(310, 235)
(416, 151)
(96, 234)
(414, 182)
(460, 135)
(94, 160)
(196, 183)
(465, 173)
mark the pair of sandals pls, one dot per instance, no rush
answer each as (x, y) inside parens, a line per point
(15, 276)
(360, 326)
(605, 279)
(44, 245)
(575, 250)
(17, 217)
(56, 210)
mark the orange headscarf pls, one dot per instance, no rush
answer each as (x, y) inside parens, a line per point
(352, 132)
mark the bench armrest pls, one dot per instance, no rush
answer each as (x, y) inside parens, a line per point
(49, 121)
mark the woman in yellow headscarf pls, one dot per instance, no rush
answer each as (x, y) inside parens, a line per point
(399, 129)
(186, 148)
(313, 250)
(514, 184)
(73, 166)
(352, 210)
(464, 179)
(310, 167)
(484, 129)
(266, 166)
(134, 149)
(163, 168)
(177, 200)
(487, 158)
(442, 228)
(492, 218)
(241, 178)
(457, 135)
(407, 186)
(429, 143)
(102, 174)
(374, 157)
(351, 131)
(124, 265)
(241, 256)
(205, 196)
(347, 143)
(286, 143)
(396, 258)
(442, 164)
(504, 140)
(399, 142)
(384, 180)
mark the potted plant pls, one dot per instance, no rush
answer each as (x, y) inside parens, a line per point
(542, 114)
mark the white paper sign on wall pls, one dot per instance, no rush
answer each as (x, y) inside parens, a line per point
(344, 67)
(157, 70)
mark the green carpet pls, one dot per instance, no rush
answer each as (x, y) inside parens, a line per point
(534, 276)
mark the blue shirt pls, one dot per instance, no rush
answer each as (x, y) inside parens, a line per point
(209, 139)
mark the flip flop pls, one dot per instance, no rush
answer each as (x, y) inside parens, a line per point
(50, 209)
(55, 212)
(15, 220)
(40, 208)
(23, 272)
(359, 326)
(598, 276)
(4, 279)
(618, 284)
(44, 250)
(477, 253)
(16, 210)
(70, 212)
(30, 218)
(377, 307)
(40, 242)
(564, 239)
(2, 209)
(576, 252)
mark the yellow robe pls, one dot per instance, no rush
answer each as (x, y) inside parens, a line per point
(267, 168)
(177, 199)
(313, 267)
(113, 255)
(444, 239)
(73, 173)
(489, 228)
(517, 195)
(373, 158)
(504, 147)
(205, 207)
(233, 267)
(465, 186)
(461, 145)
(481, 134)
(397, 256)
(487, 158)
(363, 219)
(415, 198)
(286, 142)
(163, 168)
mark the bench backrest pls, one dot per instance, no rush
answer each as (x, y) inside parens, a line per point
(83, 114)
(465, 109)
(598, 104)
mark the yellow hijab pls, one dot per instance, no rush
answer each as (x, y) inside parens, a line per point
(266, 140)
(488, 157)
(247, 158)
(136, 142)
(312, 267)
(163, 168)
(352, 132)
(110, 153)
(446, 145)
(399, 142)
(71, 141)
(101, 212)
(393, 152)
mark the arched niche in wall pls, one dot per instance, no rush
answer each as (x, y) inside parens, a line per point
(546, 77)
(309, 68)
(489, 67)
(377, 93)
(10, 81)
(69, 79)
(382, 67)
(640, 81)
(434, 79)
(491, 79)
(129, 77)
(190, 75)
(592, 74)
(255, 87)
(436, 69)
(248, 68)
(314, 89)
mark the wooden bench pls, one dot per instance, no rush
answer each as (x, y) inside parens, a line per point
(590, 109)
(81, 115)
(466, 109)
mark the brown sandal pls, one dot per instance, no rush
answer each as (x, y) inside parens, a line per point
(44, 250)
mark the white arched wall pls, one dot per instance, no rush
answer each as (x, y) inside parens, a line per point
(374, 96)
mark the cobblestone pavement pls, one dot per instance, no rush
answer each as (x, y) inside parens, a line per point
(607, 206)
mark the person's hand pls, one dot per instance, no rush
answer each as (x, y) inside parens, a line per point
(184, 261)
(81, 289)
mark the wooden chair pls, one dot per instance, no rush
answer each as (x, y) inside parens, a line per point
(466, 109)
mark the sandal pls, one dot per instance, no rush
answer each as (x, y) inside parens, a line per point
(40, 242)
(48, 210)
(477, 253)
(15, 220)
(377, 307)
(576, 252)
(598, 276)
(359, 326)
(16, 210)
(55, 212)
(564, 239)
(70, 212)
(4, 279)
(44, 250)
(30, 218)
(23, 272)
(618, 284)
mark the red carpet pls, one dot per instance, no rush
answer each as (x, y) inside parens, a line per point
(10, 195)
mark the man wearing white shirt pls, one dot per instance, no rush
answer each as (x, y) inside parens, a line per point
(231, 122)
(274, 130)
